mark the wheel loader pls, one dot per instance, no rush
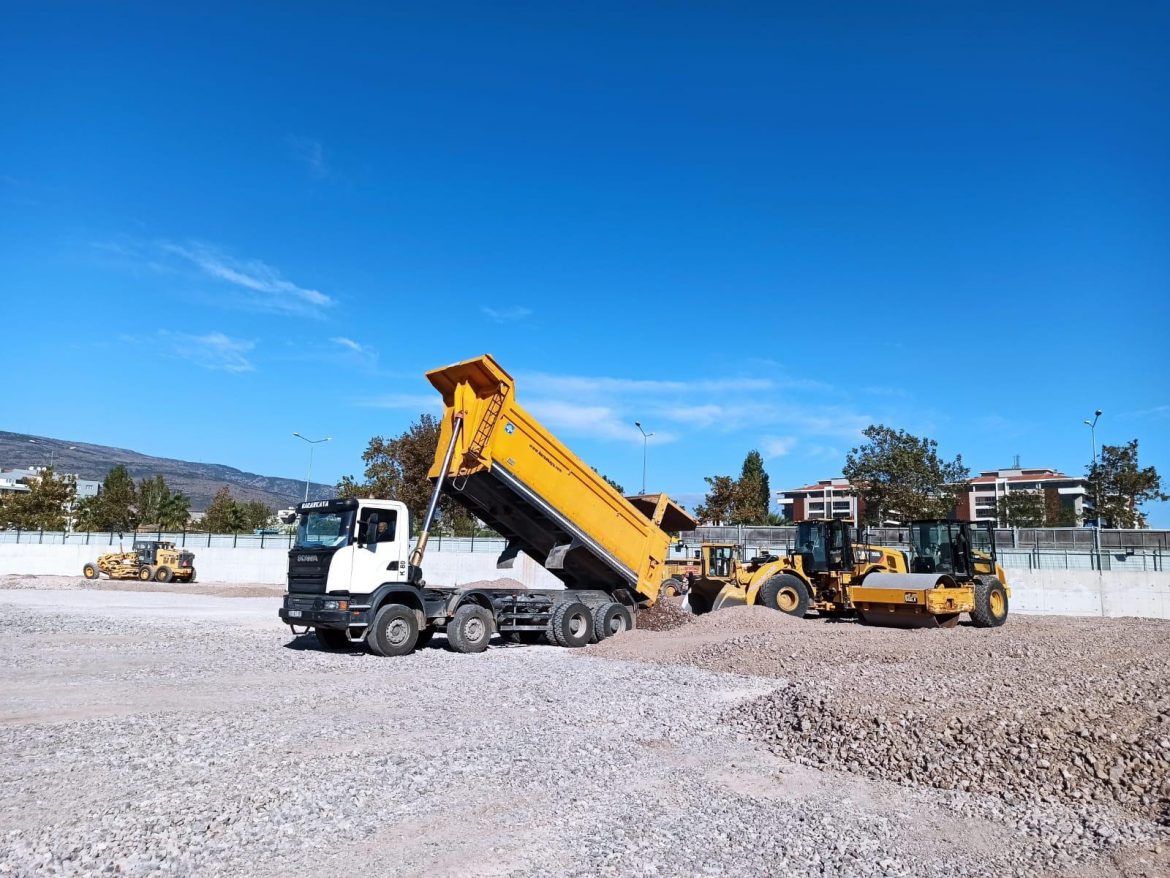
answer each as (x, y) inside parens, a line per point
(816, 573)
(953, 570)
(149, 560)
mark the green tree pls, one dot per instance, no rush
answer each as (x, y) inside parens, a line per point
(722, 499)
(152, 493)
(610, 481)
(1021, 509)
(753, 496)
(45, 505)
(175, 511)
(1118, 486)
(224, 515)
(1056, 514)
(117, 502)
(901, 477)
(255, 513)
(396, 469)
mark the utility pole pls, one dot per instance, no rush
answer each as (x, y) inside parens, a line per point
(311, 442)
(1092, 425)
(645, 441)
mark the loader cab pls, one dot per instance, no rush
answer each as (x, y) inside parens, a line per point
(954, 547)
(718, 560)
(824, 546)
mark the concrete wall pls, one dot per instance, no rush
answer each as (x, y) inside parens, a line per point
(1046, 592)
(267, 566)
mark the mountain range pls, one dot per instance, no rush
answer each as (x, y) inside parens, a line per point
(199, 481)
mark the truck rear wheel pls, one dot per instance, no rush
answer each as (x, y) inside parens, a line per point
(470, 628)
(90, 571)
(571, 624)
(991, 603)
(146, 574)
(394, 631)
(786, 593)
(164, 574)
(610, 619)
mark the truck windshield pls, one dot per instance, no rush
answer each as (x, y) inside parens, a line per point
(330, 529)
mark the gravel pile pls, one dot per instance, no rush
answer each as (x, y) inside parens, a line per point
(665, 615)
(17, 581)
(1060, 726)
(206, 749)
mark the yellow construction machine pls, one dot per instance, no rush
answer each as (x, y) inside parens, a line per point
(953, 570)
(150, 560)
(816, 574)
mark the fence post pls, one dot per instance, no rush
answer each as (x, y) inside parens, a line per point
(235, 538)
(473, 541)
(41, 540)
(261, 538)
(209, 539)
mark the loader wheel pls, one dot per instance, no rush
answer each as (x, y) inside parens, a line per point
(672, 588)
(332, 639)
(90, 571)
(991, 603)
(146, 574)
(164, 574)
(394, 631)
(610, 619)
(470, 628)
(571, 624)
(786, 593)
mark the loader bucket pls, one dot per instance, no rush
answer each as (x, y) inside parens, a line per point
(730, 596)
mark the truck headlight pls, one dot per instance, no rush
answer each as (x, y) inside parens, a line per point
(335, 605)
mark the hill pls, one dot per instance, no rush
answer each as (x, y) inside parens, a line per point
(199, 481)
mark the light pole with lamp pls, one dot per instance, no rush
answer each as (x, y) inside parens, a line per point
(645, 441)
(311, 442)
(1092, 425)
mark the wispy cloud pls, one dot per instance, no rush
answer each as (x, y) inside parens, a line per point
(506, 315)
(311, 153)
(1158, 412)
(360, 353)
(258, 277)
(777, 446)
(215, 350)
(595, 421)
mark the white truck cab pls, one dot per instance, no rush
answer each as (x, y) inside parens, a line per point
(349, 546)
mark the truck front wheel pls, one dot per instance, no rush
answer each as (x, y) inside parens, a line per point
(394, 631)
(470, 628)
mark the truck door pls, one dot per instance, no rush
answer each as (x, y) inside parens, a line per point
(380, 555)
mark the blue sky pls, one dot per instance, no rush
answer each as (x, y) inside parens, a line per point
(746, 225)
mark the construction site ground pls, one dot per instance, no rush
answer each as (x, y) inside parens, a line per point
(185, 732)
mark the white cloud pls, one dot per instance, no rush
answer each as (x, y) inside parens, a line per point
(594, 421)
(312, 153)
(214, 350)
(353, 351)
(777, 446)
(507, 315)
(274, 291)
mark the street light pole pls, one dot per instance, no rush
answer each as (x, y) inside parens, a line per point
(311, 442)
(645, 441)
(1092, 425)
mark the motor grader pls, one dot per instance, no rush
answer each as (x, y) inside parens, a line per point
(149, 560)
(814, 575)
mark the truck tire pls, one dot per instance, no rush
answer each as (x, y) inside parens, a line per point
(991, 603)
(394, 631)
(146, 574)
(470, 628)
(571, 625)
(332, 639)
(164, 574)
(786, 593)
(610, 619)
(90, 571)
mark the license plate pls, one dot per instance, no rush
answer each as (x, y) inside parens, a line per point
(294, 614)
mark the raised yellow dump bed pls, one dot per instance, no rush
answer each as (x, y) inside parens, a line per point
(515, 476)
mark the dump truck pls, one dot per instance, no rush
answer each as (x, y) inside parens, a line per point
(150, 560)
(353, 580)
(952, 570)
